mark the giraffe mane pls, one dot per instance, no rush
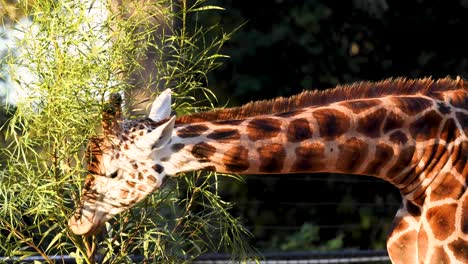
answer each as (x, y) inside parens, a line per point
(316, 98)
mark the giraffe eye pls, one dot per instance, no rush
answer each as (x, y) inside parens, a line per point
(114, 174)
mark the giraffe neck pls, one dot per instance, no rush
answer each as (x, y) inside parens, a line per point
(412, 133)
(393, 138)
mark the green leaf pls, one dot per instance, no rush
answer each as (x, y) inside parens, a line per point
(205, 8)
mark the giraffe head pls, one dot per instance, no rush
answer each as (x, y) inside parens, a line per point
(123, 167)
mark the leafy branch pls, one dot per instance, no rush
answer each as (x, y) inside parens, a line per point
(73, 54)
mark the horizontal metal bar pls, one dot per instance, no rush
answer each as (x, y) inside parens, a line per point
(308, 257)
(303, 261)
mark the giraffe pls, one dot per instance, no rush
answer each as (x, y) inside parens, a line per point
(409, 132)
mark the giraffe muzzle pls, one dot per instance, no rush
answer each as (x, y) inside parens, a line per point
(84, 222)
(87, 219)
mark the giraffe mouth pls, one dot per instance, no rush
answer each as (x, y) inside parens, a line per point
(84, 222)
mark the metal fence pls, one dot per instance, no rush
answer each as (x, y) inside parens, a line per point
(343, 256)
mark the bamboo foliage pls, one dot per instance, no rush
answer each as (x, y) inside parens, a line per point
(73, 55)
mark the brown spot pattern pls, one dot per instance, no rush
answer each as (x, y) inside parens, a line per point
(393, 121)
(413, 209)
(309, 158)
(461, 159)
(332, 123)
(271, 158)
(442, 220)
(352, 153)
(383, 154)
(426, 127)
(398, 137)
(151, 178)
(411, 105)
(158, 168)
(459, 248)
(224, 134)
(370, 124)
(203, 151)
(443, 108)
(192, 131)
(435, 157)
(449, 130)
(263, 128)
(299, 130)
(236, 159)
(177, 147)
(449, 188)
(361, 105)
(404, 160)
(141, 187)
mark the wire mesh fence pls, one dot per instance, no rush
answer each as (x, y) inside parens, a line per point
(314, 212)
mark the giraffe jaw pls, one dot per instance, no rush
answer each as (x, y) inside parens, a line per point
(97, 206)
(87, 217)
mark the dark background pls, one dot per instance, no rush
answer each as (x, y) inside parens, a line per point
(285, 47)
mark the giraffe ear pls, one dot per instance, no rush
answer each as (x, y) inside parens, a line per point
(161, 108)
(159, 137)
